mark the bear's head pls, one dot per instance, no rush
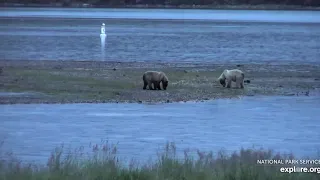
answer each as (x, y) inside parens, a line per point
(164, 80)
(165, 84)
(222, 82)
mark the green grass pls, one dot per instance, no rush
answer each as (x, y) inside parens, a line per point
(92, 83)
(103, 163)
(63, 84)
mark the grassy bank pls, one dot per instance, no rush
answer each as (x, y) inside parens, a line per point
(104, 163)
(80, 81)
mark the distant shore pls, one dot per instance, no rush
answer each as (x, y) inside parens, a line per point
(112, 82)
(151, 6)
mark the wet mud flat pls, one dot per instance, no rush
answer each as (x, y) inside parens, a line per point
(98, 82)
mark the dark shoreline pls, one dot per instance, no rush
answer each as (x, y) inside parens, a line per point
(147, 6)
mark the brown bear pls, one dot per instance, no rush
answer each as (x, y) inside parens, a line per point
(155, 78)
(234, 75)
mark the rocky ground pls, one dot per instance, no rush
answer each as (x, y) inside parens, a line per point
(95, 81)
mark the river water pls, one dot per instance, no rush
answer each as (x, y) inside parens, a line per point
(284, 124)
(160, 35)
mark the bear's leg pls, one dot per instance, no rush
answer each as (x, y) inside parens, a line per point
(158, 86)
(237, 83)
(145, 85)
(150, 86)
(154, 86)
(228, 83)
(241, 84)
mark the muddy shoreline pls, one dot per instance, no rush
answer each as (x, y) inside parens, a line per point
(102, 82)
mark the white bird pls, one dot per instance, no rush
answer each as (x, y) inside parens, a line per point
(103, 29)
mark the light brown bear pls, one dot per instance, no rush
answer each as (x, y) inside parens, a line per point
(155, 78)
(234, 75)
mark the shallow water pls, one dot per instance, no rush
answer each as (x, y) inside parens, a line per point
(285, 124)
(160, 35)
